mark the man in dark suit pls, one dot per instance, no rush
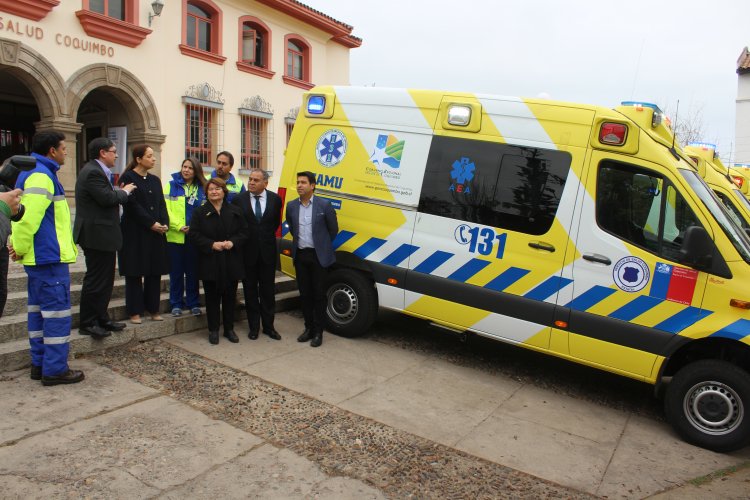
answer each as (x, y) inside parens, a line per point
(313, 224)
(97, 231)
(262, 210)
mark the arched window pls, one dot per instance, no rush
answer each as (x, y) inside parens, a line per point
(113, 20)
(254, 47)
(111, 8)
(201, 30)
(297, 65)
(198, 30)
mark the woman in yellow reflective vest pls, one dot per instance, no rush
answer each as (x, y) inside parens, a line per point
(184, 193)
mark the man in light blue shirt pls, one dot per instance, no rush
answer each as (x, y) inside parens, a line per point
(313, 224)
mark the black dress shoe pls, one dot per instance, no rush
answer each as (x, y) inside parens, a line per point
(273, 334)
(317, 340)
(69, 377)
(253, 334)
(306, 335)
(95, 331)
(36, 372)
(111, 326)
(213, 337)
(231, 336)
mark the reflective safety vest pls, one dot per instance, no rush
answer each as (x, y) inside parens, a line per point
(181, 200)
(233, 186)
(44, 234)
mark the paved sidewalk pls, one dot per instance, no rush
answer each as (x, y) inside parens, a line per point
(356, 418)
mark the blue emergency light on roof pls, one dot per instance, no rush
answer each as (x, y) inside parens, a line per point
(703, 145)
(637, 104)
(316, 104)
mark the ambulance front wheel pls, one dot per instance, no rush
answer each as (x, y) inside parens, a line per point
(352, 303)
(708, 404)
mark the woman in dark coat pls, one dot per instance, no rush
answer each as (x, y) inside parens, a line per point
(218, 230)
(143, 257)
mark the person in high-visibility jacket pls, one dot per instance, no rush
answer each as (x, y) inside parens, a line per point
(224, 164)
(184, 193)
(43, 242)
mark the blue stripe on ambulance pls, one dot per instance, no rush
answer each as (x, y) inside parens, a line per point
(738, 330)
(545, 290)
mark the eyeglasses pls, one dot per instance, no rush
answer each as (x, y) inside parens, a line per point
(111, 151)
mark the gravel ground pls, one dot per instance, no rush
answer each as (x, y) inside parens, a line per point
(341, 443)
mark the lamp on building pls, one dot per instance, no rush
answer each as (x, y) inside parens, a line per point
(157, 6)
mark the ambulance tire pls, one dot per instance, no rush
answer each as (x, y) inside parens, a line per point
(351, 303)
(708, 404)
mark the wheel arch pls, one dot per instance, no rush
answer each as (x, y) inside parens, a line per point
(720, 348)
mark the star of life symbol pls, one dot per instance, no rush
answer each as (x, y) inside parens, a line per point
(462, 173)
(331, 148)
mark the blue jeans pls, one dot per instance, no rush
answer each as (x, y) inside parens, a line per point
(183, 276)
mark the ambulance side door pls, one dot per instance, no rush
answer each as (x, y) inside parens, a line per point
(490, 241)
(630, 294)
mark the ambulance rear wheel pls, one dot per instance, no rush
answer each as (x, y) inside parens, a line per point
(352, 303)
(708, 404)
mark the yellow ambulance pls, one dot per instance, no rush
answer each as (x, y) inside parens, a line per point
(719, 179)
(574, 230)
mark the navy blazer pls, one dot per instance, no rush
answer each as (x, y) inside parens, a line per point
(325, 227)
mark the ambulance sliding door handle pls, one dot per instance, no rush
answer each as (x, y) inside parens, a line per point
(595, 257)
(540, 245)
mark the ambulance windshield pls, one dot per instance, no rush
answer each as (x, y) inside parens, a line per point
(739, 238)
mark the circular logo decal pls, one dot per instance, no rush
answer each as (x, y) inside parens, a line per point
(631, 274)
(331, 148)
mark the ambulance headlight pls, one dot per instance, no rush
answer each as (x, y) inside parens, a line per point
(316, 104)
(459, 115)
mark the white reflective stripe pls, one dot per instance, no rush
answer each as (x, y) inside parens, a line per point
(59, 197)
(33, 309)
(173, 198)
(56, 314)
(36, 334)
(45, 193)
(57, 340)
(516, 122)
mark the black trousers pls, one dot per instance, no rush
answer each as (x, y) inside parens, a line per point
(220, 304)
(97, 286)
(311, 279)
(4, 261)
(142, 293)
(260, 295)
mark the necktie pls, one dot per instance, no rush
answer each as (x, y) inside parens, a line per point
(258, 210)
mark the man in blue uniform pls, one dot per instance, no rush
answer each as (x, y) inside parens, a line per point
(43, 241)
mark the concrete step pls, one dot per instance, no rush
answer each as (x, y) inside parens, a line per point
(13, 322)
(17, 277)
(14, 354)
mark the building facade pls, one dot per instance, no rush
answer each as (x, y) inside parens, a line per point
(188, 77)
(742, 124)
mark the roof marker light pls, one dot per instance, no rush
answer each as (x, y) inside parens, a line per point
(658, 113)
(459, 116)
(316, 104)
(613, 134)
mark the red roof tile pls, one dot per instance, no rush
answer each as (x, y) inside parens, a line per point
(341, 31)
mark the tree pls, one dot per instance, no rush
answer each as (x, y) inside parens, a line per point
(687, 124)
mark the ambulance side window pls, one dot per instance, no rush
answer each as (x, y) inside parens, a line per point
(642, 208)
(492, 184)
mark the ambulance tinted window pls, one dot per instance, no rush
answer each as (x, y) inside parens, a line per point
(497, 185)
(643, 209)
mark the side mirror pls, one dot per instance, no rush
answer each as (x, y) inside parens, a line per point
(697, 248)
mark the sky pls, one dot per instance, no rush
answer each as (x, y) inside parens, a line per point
(593, 52)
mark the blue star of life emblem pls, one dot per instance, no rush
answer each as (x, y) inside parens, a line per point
(331, 148)
(463, 170)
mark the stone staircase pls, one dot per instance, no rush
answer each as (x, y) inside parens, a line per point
(14, 343)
